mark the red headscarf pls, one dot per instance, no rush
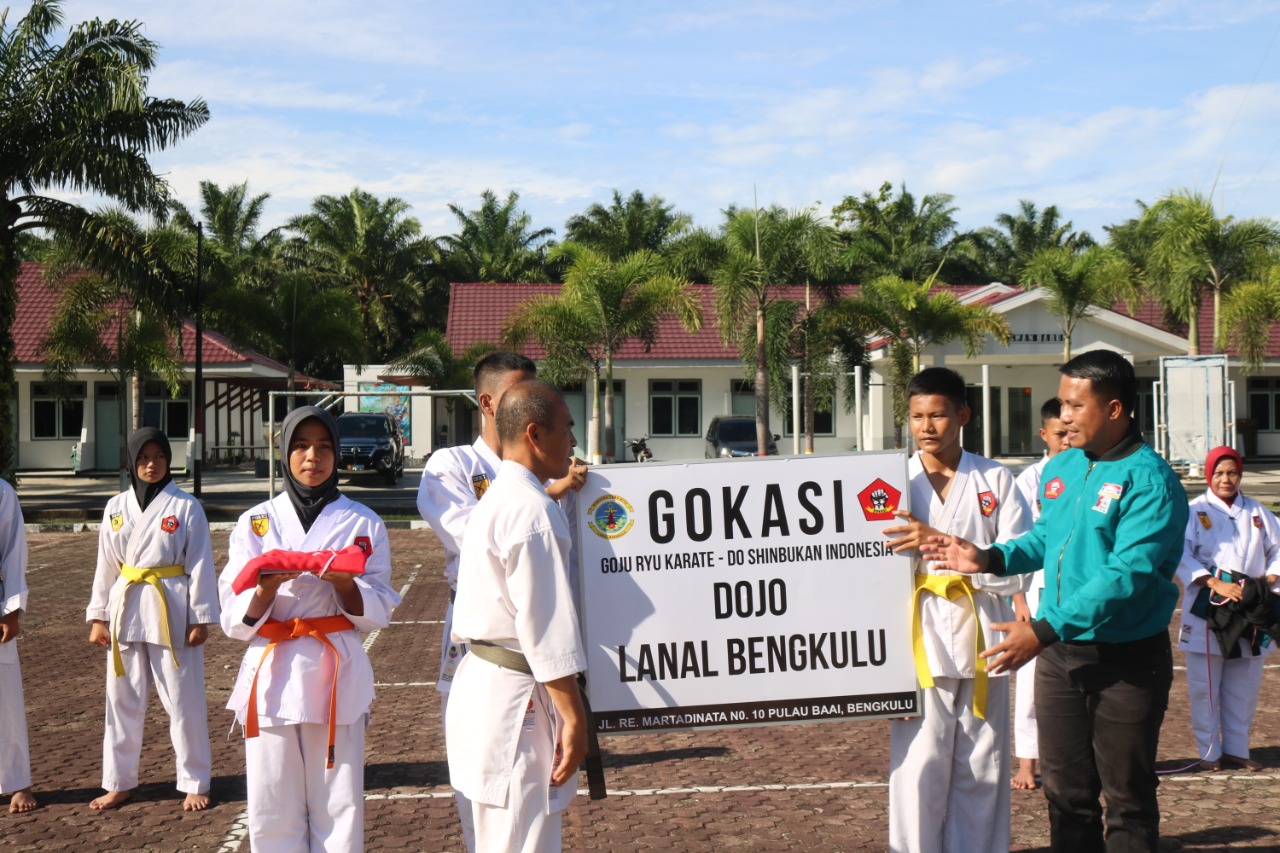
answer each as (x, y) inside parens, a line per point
(1217, 455)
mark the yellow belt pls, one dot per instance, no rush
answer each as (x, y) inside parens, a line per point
(133, 574)
(949, 587)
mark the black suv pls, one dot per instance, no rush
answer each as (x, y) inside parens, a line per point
(370, 442)
(730, 436)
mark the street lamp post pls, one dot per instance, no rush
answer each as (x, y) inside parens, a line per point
(197, 451)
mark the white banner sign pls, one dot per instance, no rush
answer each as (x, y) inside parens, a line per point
(743, 592)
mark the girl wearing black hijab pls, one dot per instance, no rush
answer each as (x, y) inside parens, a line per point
(154, 596)
(306, 684)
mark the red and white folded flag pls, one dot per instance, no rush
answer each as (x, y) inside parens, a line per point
(349, 560)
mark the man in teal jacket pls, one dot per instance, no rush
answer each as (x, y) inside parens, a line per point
(1110, 534)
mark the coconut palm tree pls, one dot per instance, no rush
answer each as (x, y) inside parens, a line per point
(373, 250)
(628, 225)
(77, 117)
(1008, 248)
(495, 243)
(1250, 311)
(884, 234)
(1193, 250)
(1076, 281)
(602, 305)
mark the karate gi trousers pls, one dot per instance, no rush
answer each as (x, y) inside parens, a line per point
(949, 772)
(448, 666)
(181, 692)
(295, 804)
(1223, 697)
(1026, 738)
(15, 757)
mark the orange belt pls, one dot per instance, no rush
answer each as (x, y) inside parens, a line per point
(275, 631)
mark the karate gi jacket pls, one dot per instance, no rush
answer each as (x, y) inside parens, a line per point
(983, 506)
(13, 563)
(293, 686)
(1243, 538)
(1028, 483)
(453, 482)
(172, 531)
(513, 591)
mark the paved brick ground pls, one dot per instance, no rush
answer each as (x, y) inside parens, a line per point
(814, 787)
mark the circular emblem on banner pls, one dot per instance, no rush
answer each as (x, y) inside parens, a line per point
(611, 516)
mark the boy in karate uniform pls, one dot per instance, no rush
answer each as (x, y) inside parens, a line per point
(154, 597)
(15, 761)
(306, 684)
(1026, 743)
(517, 730)
(453, 481)
(949, 767)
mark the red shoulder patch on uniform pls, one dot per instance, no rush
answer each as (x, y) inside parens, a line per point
(1053, 488)
(170, 524)
(363, 543)
(987, 503)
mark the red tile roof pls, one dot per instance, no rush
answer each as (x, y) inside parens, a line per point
(38, 300)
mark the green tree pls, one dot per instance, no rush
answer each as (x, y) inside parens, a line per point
(1077, 281)
(373, 250)
(1193, 250)
(495, 243)
(1250, 311)
(884, 234)
(1009, 247)
(915, 316)
(75, 116)
(758, 254)
(604, 304)
(628, 225)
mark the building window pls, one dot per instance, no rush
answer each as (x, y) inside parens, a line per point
(675, 407)
(824, 423)
(54, 418)
(742, 397)
(169, 414)
(1262, 403)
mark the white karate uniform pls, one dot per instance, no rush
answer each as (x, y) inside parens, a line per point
(15, 758)
(294, 803)
(453, 482)
(514, 591)
(949, 770)
(1026, 737)
(172, 531)
(1244, 538)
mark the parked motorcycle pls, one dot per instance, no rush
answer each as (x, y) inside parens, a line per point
(639, 448)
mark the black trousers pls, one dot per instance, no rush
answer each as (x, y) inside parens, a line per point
(1099, 707)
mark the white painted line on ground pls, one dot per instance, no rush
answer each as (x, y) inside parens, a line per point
(405, 684)
(421, 622)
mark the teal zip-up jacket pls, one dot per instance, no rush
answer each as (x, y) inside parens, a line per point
(1109, 538)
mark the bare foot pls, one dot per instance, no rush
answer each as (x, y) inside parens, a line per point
(1243, 763)
(195, 803)
(110, 800)
(22, 802)
(1025, 780)
(1211, 766)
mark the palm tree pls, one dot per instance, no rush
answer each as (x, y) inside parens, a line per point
(1250, 311)
(603, 304)
(494, 243)
(759, 252)
(628, 225)
(374, 251)
(76, 116)
(888, 235)
(1009, 248)
(1193, 249)
(915, 317)
(1077, 281)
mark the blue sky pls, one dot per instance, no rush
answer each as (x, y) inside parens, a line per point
(1086, 105)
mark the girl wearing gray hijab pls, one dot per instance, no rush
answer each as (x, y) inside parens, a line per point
(306, 684)
(154, 597)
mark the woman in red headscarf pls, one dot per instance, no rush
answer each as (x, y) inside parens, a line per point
(1230, 538)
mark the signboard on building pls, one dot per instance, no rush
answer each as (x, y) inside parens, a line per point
(392, 399)
(744, 592)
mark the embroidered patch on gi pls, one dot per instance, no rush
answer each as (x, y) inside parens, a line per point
(1257, 521)
(987, 503)
(363, 543)
(170, 524)
(1204, 520)
(1053, 488)
(1108, 493)
(117, 521)
(480, 482)
(260, 524)
(879, 501)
